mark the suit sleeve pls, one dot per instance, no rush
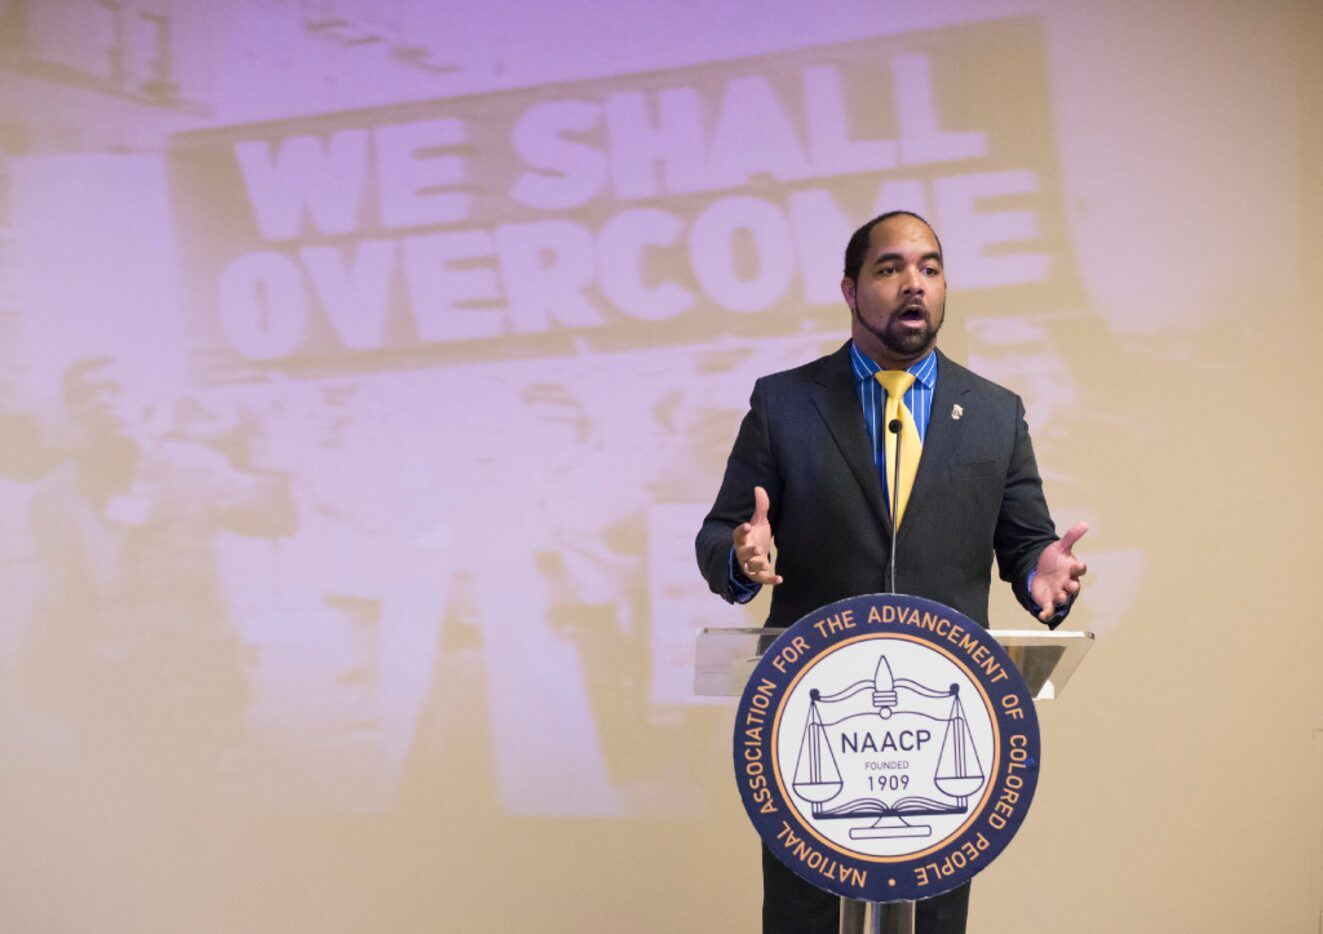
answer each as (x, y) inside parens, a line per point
(1024, 525)
(751, 463)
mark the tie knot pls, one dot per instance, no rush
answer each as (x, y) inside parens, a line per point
(895, 382)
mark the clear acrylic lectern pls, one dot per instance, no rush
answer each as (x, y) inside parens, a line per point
(725, 659)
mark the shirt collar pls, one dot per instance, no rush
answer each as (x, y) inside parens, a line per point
(924, 370)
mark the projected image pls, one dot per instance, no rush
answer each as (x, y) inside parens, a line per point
(356, 435)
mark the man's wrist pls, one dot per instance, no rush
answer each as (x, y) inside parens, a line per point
(741, 588)
(1059, 612)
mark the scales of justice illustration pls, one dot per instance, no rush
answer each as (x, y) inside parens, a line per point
(894, 797)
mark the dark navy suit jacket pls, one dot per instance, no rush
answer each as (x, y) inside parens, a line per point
(977, 494)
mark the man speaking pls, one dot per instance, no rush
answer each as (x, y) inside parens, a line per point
(814, 471)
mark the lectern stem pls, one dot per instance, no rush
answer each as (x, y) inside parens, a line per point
(876, 917)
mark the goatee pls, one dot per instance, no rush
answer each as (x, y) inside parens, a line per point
(899, 339)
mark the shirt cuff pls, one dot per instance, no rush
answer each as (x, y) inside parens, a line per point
(742, 590)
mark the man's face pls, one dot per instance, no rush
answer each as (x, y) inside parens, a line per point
(899, 300)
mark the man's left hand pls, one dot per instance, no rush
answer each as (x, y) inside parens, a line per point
(1057, 578)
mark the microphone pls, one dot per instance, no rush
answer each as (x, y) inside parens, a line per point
(894, 426)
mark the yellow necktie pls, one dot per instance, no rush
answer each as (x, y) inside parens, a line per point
(897, 383)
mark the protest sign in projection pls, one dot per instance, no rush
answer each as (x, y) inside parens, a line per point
(656, 209)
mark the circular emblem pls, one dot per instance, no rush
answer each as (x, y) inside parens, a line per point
(886, 748)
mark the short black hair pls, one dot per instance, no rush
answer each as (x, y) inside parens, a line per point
(857, 248)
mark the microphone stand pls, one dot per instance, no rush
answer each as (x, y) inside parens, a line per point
(882, 917)
(894, 427)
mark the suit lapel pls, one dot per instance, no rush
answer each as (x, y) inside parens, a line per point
(837, 402)
(943, 437)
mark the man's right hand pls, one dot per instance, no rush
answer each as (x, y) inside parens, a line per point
(753, 543)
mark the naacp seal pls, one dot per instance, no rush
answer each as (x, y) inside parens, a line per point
(886, 748)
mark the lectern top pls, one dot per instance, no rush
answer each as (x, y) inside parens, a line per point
(725, 657)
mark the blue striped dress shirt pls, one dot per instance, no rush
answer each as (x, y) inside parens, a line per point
(873, 400)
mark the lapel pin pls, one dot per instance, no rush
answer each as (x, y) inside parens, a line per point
(956, 412)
